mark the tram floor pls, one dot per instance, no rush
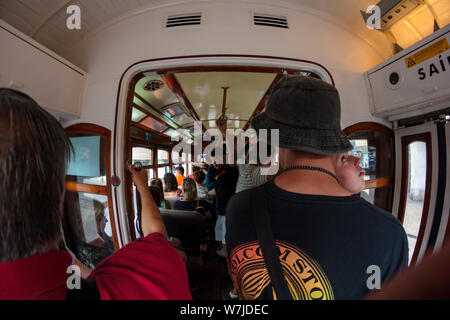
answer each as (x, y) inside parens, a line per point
(208, 281)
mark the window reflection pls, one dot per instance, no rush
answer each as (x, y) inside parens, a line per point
(89, 227)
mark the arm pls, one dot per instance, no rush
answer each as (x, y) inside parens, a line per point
(151, 217)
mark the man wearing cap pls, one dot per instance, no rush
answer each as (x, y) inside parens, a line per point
(330, 244)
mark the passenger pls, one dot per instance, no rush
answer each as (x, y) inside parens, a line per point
(202, 191)
(327, 238)
(349, 172)
(226, 178)
(250, 175)
(179, 174)
(210, 182)
(171, 191)
(194, 170)
(158, 183)
(190, 201)
(34, 150)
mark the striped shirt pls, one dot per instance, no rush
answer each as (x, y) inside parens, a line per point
(250, 177)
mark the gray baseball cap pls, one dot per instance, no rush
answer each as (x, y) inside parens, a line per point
(307, 112)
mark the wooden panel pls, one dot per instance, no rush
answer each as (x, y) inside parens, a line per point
(378, 183)
(104, 190)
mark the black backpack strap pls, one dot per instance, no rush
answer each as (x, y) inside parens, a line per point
(261, 221)
(88, 291)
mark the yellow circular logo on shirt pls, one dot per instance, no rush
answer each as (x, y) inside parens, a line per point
(305, 279)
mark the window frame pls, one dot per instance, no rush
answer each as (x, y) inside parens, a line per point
(383, 181)
(94, 129)
(405, 142)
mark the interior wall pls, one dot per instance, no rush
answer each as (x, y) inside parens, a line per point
(226, 29)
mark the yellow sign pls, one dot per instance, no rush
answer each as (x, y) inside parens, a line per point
(427, 53)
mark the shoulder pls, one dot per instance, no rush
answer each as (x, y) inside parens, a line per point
(148, 268)
(381, 216)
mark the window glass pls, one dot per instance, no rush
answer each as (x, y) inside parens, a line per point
(87, 163)
(150, 175)
(142, 155)
(90, 235)
(163, 157)
(162, 171)
(176, 114)
(417, 169)
(176, 159)
(376, 152)
(154, 124)
(137, 115)
(380, 197)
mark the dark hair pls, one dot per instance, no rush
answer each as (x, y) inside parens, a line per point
(34, 150)
(180, 169)
(170, 182)
(156, 194)
(199, 176)
(158, 183)
(195, 169)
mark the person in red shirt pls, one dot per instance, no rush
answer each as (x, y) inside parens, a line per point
(34, 263)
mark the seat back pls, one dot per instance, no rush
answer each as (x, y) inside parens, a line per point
(171, 200)
(185, 225)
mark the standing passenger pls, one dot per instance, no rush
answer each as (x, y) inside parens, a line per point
(326, 237)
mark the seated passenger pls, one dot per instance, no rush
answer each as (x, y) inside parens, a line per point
(158, 183)
(171, 191)
(202, 191)
(179, 174)
(190, 201)
(326, 236)
(34, 150)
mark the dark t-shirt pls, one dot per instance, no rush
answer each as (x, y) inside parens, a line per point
(326, 244)
(192, 206)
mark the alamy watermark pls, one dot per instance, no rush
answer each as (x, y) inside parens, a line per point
(373, 17)
(374, 280)
(73, 22)
(74, 278)
(222, 149)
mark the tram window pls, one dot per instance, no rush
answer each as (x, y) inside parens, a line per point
(137, 115)
(142, 155)
(374, 145)
(150, 175)
(90, 232)
(374, 149)
(162, 171)
(154, 124)
(87, 163)
(417, 160)
(163, 157)
(380, 197)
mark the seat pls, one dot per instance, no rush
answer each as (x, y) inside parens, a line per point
(189, 227)
(171, 200)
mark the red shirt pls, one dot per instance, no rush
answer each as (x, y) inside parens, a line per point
(148, 268)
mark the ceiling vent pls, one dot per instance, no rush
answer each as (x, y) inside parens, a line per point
(270, 21)
(153, 85)
(184, 20)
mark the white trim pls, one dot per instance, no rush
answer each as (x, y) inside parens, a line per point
(119, 142)
(446, 207)
(399, 133)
